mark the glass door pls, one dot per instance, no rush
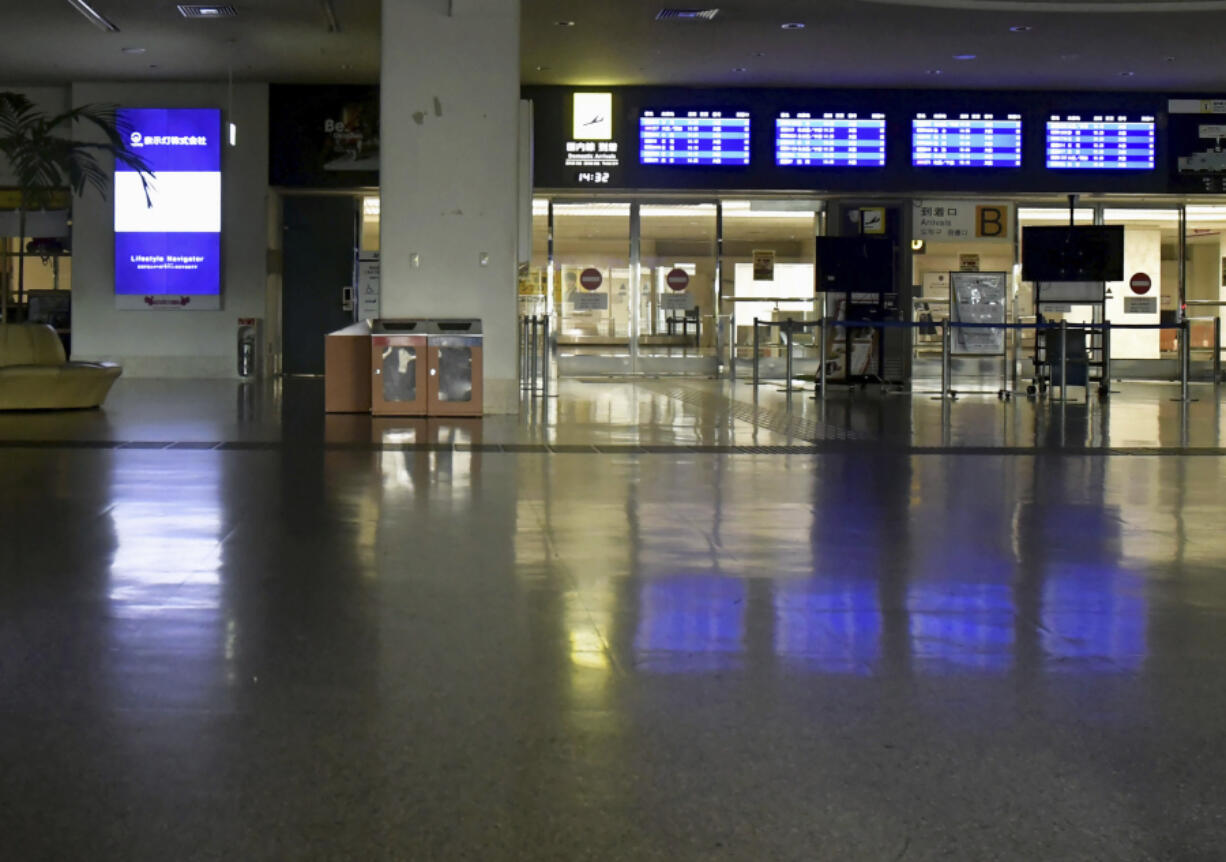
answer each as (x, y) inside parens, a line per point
(593, 288)
(677, 329)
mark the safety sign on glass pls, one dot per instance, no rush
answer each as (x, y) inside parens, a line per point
(590, 301)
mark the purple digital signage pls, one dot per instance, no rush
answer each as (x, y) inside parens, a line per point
(168, 255)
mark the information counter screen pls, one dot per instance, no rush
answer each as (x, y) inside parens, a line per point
(698, 138)
(842, 140)
(1107, 142)
(966, 141)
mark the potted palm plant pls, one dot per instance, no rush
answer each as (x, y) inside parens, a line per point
(39, 151)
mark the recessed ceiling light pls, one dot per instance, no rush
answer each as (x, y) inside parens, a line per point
(687, 14)
(542, 68)
(964, 56)
(1020, 28)
(1068, 58)
(793, 25)
(763, 54)
(196, 11)
(1169, 59)
(564, 23)
(1127, 74)
(740, 69)
(932, 71)
(132, 50)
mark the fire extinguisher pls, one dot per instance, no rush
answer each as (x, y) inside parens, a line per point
(246, 350)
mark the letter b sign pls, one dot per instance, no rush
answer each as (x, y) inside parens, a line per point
(992, 222)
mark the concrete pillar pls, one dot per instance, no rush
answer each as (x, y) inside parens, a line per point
(449, 142)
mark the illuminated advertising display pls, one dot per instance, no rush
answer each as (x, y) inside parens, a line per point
(168, 254)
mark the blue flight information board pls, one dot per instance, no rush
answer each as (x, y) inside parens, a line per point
(830, 139)
(966, 141)
(1101, 142)
(708, 138)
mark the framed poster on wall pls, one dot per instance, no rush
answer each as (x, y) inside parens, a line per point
(168, 245)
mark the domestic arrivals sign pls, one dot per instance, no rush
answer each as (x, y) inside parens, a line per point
(961, 221)
(593, 149)
(168, 254)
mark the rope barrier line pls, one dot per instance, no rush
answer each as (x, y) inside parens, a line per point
(910, 324)
(789, 326)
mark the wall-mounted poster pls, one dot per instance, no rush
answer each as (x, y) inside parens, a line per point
(978, 297)
(323, 136)
(168, 246)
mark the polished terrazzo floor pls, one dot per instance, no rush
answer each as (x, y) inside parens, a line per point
(664, 620)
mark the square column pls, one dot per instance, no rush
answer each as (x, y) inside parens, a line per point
(449, 142)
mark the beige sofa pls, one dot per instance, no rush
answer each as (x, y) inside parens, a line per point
(36, 375)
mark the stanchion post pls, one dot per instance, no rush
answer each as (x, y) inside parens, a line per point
(1185, 356)
(821, 357)
(945, 339)
(524, 352)
(545, 355)
(1106, 381)
(787, 340)
(1217, 350)
(755, 352)
(1063, 360)
(534, 323)
(1004, 366)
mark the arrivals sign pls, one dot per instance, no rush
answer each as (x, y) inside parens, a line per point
(961, 221)
(592, 150)
(168, 248)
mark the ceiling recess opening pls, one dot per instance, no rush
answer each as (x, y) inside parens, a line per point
(686, 14)
(209, 11)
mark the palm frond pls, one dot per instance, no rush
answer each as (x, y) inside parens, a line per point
(44, 157)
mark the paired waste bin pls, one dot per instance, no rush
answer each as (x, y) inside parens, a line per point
(426, 367)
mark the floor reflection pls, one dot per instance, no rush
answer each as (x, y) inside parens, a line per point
(690, 624)
(896, 567)
(169, 642)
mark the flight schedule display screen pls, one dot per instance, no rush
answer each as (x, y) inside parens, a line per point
(696, 138)
(830, 139)
(966, 140)
(1100, 142)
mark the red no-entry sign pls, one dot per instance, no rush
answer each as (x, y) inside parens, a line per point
(591, 278)
(1140, 284)
(678, 279)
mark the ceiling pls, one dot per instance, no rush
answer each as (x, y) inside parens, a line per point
(1176, 45)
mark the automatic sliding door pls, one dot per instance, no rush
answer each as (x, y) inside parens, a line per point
(677, 331)
(592, 288)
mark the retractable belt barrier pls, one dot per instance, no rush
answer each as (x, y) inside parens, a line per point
(788, 327)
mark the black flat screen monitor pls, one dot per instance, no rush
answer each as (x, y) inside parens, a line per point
(1083, 253)
(855, 264)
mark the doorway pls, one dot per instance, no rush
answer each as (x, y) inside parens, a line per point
(320, 235)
